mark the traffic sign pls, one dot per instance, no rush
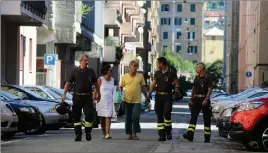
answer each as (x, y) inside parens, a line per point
(248, 74)
(49, 60)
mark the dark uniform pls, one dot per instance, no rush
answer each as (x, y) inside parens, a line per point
(83, 80)
(163, 102)
(201, 85)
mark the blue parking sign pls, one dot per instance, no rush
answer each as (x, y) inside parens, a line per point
(49, 59)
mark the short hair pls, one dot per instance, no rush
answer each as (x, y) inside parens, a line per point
(202, 65)
(133, 62)
(82, 56)
(162, 60)
(105, 69)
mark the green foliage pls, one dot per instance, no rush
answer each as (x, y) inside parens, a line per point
(181, 65)
(216, 5)
(119, 50)
(215, 71)
(85, 9)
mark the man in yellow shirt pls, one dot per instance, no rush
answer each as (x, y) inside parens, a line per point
(133, 83)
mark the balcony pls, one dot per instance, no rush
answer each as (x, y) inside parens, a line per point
(25, 13)
(36, 7)
(114, 17)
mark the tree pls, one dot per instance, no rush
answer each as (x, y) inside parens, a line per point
(174, 60)
(85, 9)
(215, 71)
(119, 50)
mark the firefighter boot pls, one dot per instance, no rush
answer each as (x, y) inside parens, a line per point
(189, 136)
(78, 137)
(207, 138)
(78, 132)
(162, 135)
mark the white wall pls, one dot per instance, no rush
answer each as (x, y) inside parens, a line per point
(10, 8)
(29, 76)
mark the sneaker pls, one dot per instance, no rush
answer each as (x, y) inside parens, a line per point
(78, 137)
(102, 137)
(186, 136)
(169, 136)
(88, 137)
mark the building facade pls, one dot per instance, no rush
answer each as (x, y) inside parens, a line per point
(181, 28)
(231, 34)
(253, 57)
(213, 45)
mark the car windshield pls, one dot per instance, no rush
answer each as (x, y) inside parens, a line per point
(243, 93)
(8, 96)
(53, 94)
(59, 92)
(14, 91)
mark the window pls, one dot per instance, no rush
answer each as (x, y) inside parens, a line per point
(165, 21)
(192, 21)
(191, 35)
(178, 35)
(186, 20)
(192, 49)
(179, 8)
(165, 7)
(213, 37)
(192, 7)
(178, 49)
(258, 95)
(165, 35)
(30, 54)
(177, 21)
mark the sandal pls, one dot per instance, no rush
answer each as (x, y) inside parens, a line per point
(129, 138)
(135, 138)
(108, 137)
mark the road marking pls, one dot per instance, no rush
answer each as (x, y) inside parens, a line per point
(181, 106)
(12, 141)
(184, 113)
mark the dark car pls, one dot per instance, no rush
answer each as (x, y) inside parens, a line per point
(30, 119)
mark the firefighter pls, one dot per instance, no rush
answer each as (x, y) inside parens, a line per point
(83, 78)
(201, 91)
(162, 83)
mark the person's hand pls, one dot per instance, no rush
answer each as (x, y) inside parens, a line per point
(63, 98)
(205, 102)
(190, 104)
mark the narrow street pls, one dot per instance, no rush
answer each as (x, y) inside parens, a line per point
(62, 140)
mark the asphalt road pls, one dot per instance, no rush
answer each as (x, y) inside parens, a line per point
(62, 140)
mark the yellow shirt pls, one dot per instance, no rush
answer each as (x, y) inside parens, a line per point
(132, 85)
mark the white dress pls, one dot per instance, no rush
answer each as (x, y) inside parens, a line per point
(105, 106)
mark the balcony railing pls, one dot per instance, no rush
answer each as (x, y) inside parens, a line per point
(119, 17)
(37, 7)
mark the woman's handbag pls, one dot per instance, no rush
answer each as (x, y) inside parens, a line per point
(117, 97)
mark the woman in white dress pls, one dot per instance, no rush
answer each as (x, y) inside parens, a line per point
(105, 106)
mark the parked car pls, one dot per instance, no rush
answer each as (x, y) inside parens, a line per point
(47, 93)
(250, 124)
(51, 119)
(217, 107)
(9, 121)
(30, 118)
(189, 93)
(223, 122)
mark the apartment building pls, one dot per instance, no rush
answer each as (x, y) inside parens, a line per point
(181, 28)
(19, 20)
(253, 57)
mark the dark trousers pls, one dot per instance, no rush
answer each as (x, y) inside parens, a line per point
(84, 102)
(163, 108)
(195, 110)
(132, 118)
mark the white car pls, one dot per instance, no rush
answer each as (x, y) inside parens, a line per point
(152, 102)
(222, 103)
(9, 121)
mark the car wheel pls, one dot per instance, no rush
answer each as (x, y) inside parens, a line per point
(40, 130)
(263, 137)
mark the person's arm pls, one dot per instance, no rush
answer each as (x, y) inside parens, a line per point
(68, 83)
(96, 84)
(209, 89)
(152, 88)
(144, 88)
(193, 90)
(122, 83)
